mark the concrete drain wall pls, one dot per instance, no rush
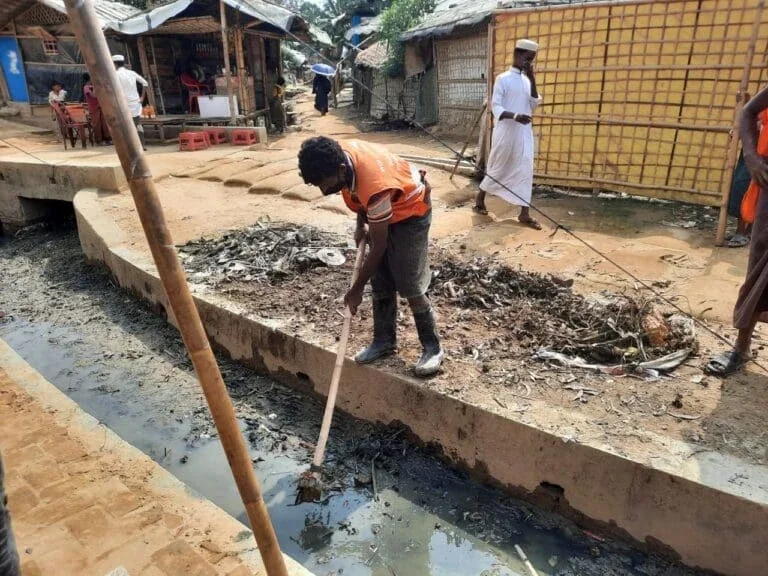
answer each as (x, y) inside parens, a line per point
(683, 507)
(21, 181)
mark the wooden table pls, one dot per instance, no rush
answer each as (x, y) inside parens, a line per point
(158, 124)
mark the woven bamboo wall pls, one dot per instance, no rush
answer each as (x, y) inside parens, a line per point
(462, 66)
(639, 97)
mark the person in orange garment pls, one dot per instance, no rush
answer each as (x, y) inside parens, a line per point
(394, 212)
(752, 303)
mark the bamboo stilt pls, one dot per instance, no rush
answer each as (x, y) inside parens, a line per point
(87, 29)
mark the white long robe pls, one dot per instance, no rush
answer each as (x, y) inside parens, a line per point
(509, 174)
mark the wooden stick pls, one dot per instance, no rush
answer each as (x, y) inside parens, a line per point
(525, 560)
(227, 71)
(469, 137)
(334, 389)
(733, 143)
(93, 45)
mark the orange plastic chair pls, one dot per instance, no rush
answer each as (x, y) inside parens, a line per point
(748, 208)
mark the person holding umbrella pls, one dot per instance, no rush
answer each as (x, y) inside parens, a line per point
(321, 86)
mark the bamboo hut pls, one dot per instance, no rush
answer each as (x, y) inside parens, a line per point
(38, 47)
(642, 96)
(385, 97)
(240, 38)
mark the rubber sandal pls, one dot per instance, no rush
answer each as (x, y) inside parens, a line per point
(477, 210)
(738, 241)
(726, 364)
(532, 223)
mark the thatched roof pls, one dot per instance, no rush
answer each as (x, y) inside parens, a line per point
(374, 56)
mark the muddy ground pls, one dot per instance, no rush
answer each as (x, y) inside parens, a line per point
(128, 367)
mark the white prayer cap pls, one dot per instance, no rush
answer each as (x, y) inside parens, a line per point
(118, 58)
(529, 45)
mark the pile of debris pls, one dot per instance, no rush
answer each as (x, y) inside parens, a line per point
(265, 252)
(542, 312)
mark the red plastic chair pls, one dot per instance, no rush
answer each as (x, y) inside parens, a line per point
(73, 123)
(194, 89)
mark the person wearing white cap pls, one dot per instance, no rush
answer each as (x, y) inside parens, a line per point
(128, 79)
(509, 173)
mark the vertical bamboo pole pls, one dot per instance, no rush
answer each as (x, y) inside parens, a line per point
(227, 71)
(243, 86)
(146, 70)
(263, 57)
(733, 142)
(94, 47)
(157, 75)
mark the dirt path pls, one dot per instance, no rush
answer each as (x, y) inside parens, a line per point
(82, 501)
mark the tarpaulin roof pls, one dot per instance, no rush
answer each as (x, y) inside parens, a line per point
(368, 25)
(449, 15)
(150, 19)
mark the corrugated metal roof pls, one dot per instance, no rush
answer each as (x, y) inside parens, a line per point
(451, 14)
(106, 10)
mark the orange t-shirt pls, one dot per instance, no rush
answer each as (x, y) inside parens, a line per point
(377, 170)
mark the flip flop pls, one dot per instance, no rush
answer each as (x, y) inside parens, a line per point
(478, 210)
(726, 363)
(738, 241)
(532, 223)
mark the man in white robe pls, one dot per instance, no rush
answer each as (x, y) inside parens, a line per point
(509, 174)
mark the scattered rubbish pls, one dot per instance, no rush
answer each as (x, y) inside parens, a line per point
(265, 252)
(678, 401)
(656, 327)
(683, 416)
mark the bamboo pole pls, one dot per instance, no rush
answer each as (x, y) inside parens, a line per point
(94, 47)
(157, 75)
(227, 71)
(243, 86)
(263, 59)
(460, 157)
(733, 144)
(146, 70)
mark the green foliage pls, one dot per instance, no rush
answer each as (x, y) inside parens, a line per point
(399, 17)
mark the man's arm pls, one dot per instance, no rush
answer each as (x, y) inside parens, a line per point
(360, 230)
(750, 134)
(379, 215)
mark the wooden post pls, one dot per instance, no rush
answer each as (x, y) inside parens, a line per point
(486, 126)
(243, 88)
(157, 75)
(263, 56)
(87, 29)
(146, 71)
(227, 71)
(733, 141)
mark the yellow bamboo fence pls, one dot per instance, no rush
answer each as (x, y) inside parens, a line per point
(640, 97)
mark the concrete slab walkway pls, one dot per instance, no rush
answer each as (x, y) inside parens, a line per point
(85, 502)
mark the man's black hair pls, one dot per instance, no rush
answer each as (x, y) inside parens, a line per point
(319, 157)
(56, 83)
(86, 77)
